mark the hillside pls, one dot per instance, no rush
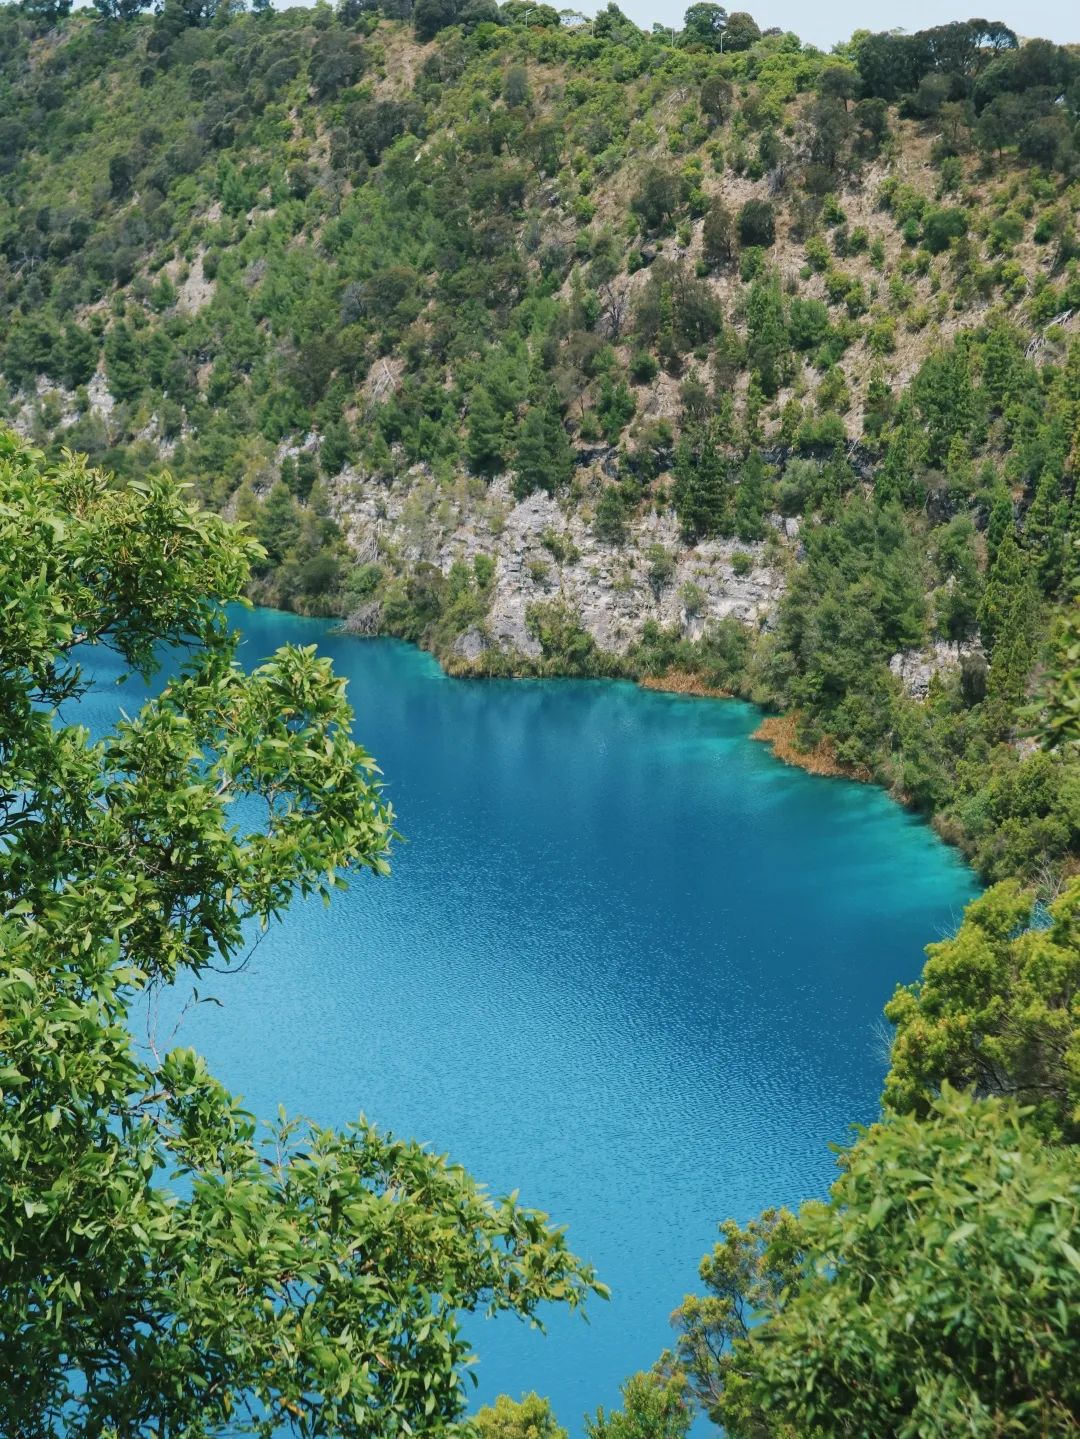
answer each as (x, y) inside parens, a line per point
(565, 348)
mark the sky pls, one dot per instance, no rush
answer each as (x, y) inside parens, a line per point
(824, 24)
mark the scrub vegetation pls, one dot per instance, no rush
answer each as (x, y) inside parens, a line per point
(281, 252)
(825, 304)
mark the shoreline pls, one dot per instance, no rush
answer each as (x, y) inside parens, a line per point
(777, 731)
(780, 733)
(684, 682)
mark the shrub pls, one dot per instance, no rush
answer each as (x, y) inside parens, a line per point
(941, 227)
(757, 224)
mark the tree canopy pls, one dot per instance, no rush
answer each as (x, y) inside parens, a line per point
(997, 1009)
(169, 1266)
(934, 1295)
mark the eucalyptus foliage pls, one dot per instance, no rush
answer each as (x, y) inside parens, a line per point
(935, 1295)
(527, 1418)
(998, 1009)
(167, 1267)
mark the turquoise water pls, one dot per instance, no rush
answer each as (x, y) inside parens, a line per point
(627, 963)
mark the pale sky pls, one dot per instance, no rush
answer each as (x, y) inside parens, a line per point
(824, 24)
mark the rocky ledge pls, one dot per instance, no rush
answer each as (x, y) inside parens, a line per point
(916, 669)
(545, 552)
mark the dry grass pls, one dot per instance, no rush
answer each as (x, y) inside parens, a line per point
(781, 732)
(682, 682)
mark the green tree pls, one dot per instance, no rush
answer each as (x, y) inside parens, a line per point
(431, 16)
(615, 405)
(1046, 530)
(757, 224)
(945, 399)
(118, 9)
(169, 1268)
(485, 443)
(767, 341)
(932, 1296)
(742, 31)
(957, 599)
(704, 24)
(516, 86)
(940, 227)
(1058, 707)
(1001, 359)
(718, 241)
(609, 521)
(527, 1418)
(124, 362)
(46, 12)
(658, 196)
(1016, 630)
(78, 356)
(545, 459)
(746, 1275)
(655, 1406)
(337, 448)
(716, 98)
(857, 600)
(996, 1008)
(750, 498)
(1007, 578)
(701, 492)
(277, 522)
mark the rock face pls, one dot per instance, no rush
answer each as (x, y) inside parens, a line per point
(100, 405)
(543, 554)
(916, 668)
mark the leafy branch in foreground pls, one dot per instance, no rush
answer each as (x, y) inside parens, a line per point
(997, 1009)
(164, 1268)
(934, 1295)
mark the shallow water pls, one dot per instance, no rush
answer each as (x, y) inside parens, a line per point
(627, 963)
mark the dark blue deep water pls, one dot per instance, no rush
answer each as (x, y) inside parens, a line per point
(627, 963)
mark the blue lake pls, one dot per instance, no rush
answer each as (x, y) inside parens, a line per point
(627, 963)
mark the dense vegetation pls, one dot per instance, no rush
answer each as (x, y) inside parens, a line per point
(309, 259)
(932, 1296)
(302, 255)
(168, 1268)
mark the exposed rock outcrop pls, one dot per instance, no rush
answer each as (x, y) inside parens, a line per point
(542, 553)
(915, 669)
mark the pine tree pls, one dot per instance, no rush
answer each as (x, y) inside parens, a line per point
(945, 399)
(701, 490)
(277, 523)
(560, 450)
(337, 448)
(1067, 405)
(1006, 578)
(531, 457)
(1013, 653)
(545, 458)
(484, 441)
(768, 337)
(750, 499)
(1001, 355)
(897, 479)
(1072, 542)
(80, 356)
(1046, 530)
(123, 362)
(1000, 524)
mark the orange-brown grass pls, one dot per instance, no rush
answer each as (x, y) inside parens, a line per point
(781, 732)
(683, 682)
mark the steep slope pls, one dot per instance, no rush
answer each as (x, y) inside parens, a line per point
(574, 349)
